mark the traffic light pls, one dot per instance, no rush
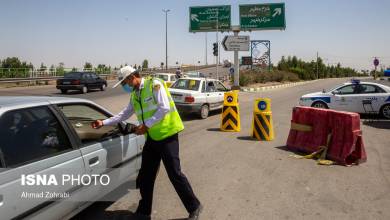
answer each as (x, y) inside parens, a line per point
(215, 49)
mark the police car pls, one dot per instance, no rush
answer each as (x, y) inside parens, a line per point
(355, 96)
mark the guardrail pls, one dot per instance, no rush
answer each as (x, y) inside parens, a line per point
(29, 81)
(13, 82)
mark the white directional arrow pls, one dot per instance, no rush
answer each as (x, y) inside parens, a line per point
(238, 43)
(277, 11)
(194, 17)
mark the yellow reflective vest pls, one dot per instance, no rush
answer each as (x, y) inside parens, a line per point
(145, 106)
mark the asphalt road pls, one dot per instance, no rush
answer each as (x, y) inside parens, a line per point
(236, 177)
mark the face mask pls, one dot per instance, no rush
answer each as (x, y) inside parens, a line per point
(127, 88)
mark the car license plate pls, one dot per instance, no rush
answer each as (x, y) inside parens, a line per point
(66, 83)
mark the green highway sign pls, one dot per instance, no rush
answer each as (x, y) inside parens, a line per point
(262, 16)
(206, 18)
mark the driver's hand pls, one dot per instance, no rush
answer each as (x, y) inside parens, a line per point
(141, 129)
(97, 124)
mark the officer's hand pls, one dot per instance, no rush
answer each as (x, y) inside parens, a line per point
(97, 124)
(141, 129)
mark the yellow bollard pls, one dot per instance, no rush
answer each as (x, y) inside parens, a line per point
(230, 112)
(262, 128)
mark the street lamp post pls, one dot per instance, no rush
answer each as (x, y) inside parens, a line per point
(166, 37)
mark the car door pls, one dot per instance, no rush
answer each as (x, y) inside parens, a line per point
(371, 94)
(85, 79)
(221, 92)
(104, 150)
(36, 145)
(95, 80)
(212, 95)
(345, 98)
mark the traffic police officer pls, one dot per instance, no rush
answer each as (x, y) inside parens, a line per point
(159, 120)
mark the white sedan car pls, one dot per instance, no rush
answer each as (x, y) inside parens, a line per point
(49, 152)
(198, 95)
(356, 96)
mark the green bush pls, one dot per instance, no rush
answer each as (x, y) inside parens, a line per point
(255, 76)
(245, 79)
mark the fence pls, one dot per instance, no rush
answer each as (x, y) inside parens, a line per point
(11, 73)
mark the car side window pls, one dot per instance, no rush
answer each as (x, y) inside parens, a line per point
(81, 116)
(379, 90)
(203, 87)
(210, 87)
(94, 76)
(27, 135)
(346, 90)
(367, 89)
(220, 87)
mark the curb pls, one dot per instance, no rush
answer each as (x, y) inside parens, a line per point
(259, 89)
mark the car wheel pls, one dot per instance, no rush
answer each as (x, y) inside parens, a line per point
(319, 105)
(103, 87)
(63, 91)
(204, 111)
(84, 89)
(385, 111)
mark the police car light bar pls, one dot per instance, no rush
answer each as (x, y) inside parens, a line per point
(355, 81)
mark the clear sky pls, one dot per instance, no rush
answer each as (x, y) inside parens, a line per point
(115, 32)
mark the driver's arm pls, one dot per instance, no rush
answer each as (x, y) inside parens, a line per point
(121, 116)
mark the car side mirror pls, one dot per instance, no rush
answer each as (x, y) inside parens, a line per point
(335, 92)
(126, 128)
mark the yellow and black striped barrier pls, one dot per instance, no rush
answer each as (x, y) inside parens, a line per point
(230, 112)
(262, 128)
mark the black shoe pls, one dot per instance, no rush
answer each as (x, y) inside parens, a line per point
(195, 214)
(140, 216)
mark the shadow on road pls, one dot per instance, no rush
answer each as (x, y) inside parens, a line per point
(214, 129)
(194, 116)
(98, 211)
(75, 92)
(285, 148)
(375, 121)
(381, 124)
(246, 138)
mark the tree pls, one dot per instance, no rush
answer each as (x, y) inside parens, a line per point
(145, 64)
(43, 67)
(294, 61)
(88, 66)
(60, 69)
(12, 62)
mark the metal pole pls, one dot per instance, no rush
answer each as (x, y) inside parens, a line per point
(236, 66)
(317, 67)
(216, 58)
(269, 57)
(166, 37)
(206, 48)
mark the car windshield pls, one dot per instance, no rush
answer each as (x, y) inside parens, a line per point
(72, 75)
(163, 77)
(333, 88)
(192, 74)
(186, 84)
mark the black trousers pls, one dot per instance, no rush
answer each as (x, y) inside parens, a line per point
(166, 150)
